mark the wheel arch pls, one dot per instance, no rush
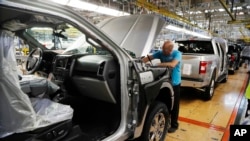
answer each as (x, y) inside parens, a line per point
(166, 96)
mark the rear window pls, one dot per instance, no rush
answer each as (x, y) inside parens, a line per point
(201, 47)
(232, 48)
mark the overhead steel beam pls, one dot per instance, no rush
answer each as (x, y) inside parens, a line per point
(240, 29)
(247, 26)
(163, 11)
(239, 21)
(225, 7)
(245, 38)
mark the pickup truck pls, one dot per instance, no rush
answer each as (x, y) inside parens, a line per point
(113, 94)
(204, 62)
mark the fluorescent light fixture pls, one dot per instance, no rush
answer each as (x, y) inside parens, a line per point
(171, 27)
(198, 12)
(179, 13)
(241, 13)
(91, 7)
(239, 8)
(221, 10)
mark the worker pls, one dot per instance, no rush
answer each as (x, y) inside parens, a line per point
(170, 58)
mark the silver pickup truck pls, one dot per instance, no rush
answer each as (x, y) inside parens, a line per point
(204, 62)
(114, 97)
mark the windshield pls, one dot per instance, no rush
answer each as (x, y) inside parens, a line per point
(68, 39)
(55, 39)
(81, 46)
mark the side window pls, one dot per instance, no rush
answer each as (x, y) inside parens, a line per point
(22, 50)
(218, 49)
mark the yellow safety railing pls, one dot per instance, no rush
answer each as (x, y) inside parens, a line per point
(154, 8)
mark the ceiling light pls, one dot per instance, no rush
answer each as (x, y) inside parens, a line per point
(221, 10)
(91, 7)
(171, 27)
(183, 30)
(198, 12)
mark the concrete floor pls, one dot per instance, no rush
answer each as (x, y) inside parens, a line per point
(210, 120)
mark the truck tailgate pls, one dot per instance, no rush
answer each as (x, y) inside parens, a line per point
(195, 66)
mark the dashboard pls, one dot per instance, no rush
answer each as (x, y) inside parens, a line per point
(95, 76)
(61, 67)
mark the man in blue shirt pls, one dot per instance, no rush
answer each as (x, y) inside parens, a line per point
(170, 58)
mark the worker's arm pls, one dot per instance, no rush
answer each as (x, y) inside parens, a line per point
(176, 59)
(171, 64)
(146, 59)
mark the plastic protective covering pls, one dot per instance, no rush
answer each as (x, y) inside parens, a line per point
(19, 113)
(37, 86)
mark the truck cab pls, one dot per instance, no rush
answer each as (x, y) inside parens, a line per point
(110, 93)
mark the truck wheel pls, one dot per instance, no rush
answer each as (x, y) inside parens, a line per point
(156, 125)
(232, 71)
(238, 65)
(209, 90)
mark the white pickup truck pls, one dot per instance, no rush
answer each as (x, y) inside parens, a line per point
(204, 62)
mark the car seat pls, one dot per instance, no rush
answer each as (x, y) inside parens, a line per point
(36, 86)
(24, 118)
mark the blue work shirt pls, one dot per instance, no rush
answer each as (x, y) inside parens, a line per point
(176, 72)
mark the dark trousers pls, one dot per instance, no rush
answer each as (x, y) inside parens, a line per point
(175, 111)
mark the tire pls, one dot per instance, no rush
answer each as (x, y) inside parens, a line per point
(237, 65)
(241, 62)
(157, 112)
(232, 71)
(209, 90)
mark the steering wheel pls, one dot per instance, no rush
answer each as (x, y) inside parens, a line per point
(34, 60)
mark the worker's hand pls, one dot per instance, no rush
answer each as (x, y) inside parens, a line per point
(157, 64)
(148, 64)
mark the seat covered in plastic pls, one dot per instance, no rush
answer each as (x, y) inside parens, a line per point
(19, 113)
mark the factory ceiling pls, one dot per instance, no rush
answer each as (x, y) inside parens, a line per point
(226, 18)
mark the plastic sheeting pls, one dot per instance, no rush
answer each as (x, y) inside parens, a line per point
(37, 86)
(18, 112)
